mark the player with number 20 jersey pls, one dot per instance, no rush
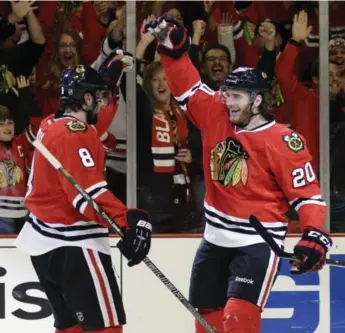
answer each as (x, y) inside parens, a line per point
(252, 166)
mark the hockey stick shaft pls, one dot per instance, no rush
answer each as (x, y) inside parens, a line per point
(155, 270)
(263, 232)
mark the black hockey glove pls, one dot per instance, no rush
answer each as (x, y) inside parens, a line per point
(311, 250)
(172, 37)
(136, 242)
(114, 65)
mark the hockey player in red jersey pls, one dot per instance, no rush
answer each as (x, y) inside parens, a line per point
(67, 241)
(252, 165)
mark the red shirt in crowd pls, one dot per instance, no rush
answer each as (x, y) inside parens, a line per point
(303, 103)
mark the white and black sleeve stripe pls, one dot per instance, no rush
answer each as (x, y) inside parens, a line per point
(183, 99)
(237, 31)
(93, 191)
(314, 200)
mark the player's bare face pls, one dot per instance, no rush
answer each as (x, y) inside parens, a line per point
(216, 66)
(67, 51)
(6, 130)
(160, 90)
(238, 104)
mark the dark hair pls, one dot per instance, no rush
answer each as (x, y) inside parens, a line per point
(314, 71)
(265, 108)
(7, 29)
(217, 47)
(5, 113)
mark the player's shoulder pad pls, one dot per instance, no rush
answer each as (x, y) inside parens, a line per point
(76, 126)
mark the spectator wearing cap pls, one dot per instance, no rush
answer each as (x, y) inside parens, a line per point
(336, 29)
(337, 53)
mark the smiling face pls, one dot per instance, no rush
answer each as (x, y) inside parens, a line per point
(6, 130)
(334, 76)
(337, 55)
(216, 65)
(67, 51)
(243, 107)
(160, 90)
(238, 104)
(6, 124)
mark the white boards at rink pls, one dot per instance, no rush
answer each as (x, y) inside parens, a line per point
(302, 304)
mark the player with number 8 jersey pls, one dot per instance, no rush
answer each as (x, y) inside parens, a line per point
(67, 240)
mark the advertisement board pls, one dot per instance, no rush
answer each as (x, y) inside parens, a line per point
(302, 304)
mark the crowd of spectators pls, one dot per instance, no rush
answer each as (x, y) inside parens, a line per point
(39, 39)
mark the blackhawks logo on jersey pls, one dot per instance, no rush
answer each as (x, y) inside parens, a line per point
(76, 126)
(294, 142)
(10, 173)
(229, 163)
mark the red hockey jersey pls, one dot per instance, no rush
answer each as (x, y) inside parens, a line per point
(13, 177)
(58, 213)
(260, 171)
(15, 161)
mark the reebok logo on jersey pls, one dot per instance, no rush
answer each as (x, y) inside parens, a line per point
(244, 280)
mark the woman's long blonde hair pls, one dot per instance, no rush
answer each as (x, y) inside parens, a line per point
(54, 68)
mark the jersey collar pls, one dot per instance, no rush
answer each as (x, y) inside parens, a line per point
(262, 127)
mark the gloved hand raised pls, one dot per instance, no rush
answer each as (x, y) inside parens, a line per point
(171, 35)
(136, 242)
(114, 65)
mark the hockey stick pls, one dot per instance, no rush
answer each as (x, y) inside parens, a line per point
(57, 165)
(262, 231)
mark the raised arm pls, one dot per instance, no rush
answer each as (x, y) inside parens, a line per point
(286, 64)
(111, 66)
(183, 78)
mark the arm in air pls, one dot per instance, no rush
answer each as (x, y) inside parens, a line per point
(182, 77)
